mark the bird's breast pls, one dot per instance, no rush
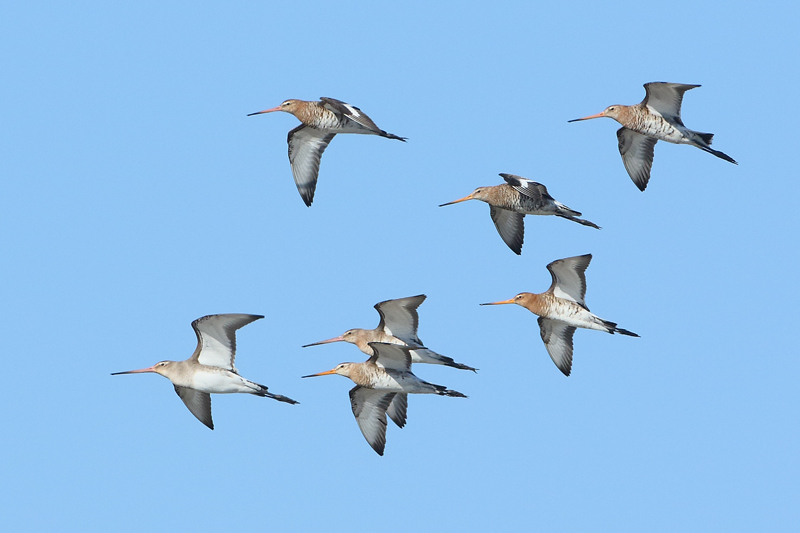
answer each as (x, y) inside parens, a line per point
(327, 120)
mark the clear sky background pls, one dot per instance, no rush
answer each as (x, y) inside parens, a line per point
(137, 197)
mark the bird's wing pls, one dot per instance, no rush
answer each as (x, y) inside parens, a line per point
(398, 408)
(399, 317)
(510, 226)
(557, 337)
(306, 145)
(391, 356)
(369, 407)
(532, 189)
(637, 155)
(216, 339)
(199, 403)
(351, 112)
(569, 278)
(666, 98)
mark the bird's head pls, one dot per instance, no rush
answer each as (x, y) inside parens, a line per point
(612, 111)
(342, 369)
(288, 106)
(161, 367)
(520, 299)
(481, 193)
(353, 336)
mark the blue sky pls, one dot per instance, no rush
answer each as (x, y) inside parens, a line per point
(139, 197)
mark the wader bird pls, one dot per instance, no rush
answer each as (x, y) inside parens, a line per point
(383, 384)
(210, 368)
(657, 117)
(509, 203)
(562, 309)
(321, 121)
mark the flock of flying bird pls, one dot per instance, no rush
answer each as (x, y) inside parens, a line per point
(384, 381)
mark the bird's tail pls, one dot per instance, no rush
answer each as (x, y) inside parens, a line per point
(426, 355)
(449, 361)
(612, 328)
(444, 391)
(460, 366)
(703, 141)
(564, 211)
(392, 136)
(705, 137)
(284, 398)
(580, 221)
(719, 154)
(625, 332)
(264, 394)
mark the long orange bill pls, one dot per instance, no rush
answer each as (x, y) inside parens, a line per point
(149, 369)
(335, 339)
(457, 201)
(265, 111)
(327, 372)
(600, 114)
(511, 301)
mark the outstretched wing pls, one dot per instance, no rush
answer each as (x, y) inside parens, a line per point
(637, 155)
(510, 226)
(306, 145)
(666, 98)
(557, 337)
(351, 112)
(216, 338)
(369, 407)
(199, 403)
(398, 408)
(569, 278)
(532, 189)
(399, 317)
(391, 356)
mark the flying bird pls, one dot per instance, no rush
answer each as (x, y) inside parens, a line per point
(398, 325)
(509, 203)
(321, 121)
(383, 384)
(562, 309)
(657, 117)
(210, 368)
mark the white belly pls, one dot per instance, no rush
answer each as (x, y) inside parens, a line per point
(389, 382)
(220, 382)
(658, 127)
(573, 314)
